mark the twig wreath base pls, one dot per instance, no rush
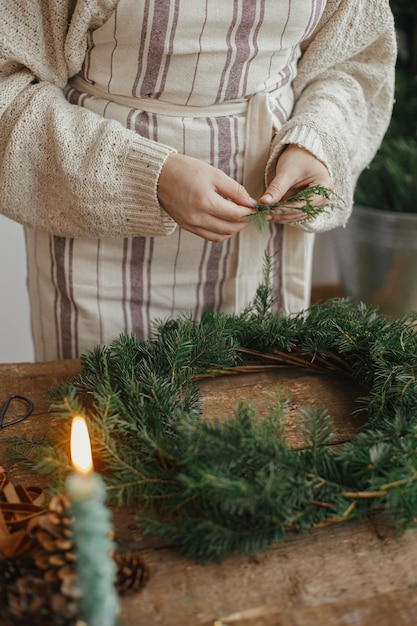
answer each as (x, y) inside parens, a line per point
(219, 486)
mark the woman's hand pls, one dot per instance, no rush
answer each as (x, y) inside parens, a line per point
(202, 199)
(296, 169)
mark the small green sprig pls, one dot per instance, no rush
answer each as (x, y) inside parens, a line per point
(303, 198)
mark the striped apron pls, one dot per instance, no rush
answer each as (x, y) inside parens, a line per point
(211, 105)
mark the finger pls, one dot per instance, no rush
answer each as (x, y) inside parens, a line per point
(320, 199)
(290, 217)
(218, 219)
(228, 211)
(280, 187)
(224, 209)
(216, 230)
(232, 190)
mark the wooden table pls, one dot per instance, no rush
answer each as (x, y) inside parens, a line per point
(352, 574)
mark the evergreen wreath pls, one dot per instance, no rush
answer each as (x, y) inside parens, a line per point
(215, 487)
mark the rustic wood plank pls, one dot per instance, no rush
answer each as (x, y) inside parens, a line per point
(32, 380)
(320, 293)
(338, 394)
(357, 573)
(374, 610)
(300, 578)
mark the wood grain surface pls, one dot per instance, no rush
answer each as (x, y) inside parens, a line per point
(358, 573)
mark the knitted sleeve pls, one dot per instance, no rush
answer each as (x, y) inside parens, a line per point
(64, 169)
(344, 93)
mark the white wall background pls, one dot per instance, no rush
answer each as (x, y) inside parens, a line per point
(15, 338)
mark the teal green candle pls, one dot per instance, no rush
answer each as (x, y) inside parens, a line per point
(98, 603)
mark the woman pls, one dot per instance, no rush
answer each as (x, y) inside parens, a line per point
(137, 135)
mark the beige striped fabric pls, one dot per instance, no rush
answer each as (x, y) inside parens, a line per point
(182, 73)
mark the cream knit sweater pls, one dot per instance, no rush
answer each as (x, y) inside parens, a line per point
(50, 149)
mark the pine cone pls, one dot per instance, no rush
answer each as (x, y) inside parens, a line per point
(41, 588)
(53, 553)
(55, 558)
(43, 591)
(31, 601)
(9, 572)
(132, 573)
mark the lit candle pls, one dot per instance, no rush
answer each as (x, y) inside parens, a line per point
(95, 568)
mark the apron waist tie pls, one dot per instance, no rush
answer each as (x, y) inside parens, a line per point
(259, 132)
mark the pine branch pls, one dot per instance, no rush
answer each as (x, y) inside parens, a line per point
(27, 450)
(303, 201)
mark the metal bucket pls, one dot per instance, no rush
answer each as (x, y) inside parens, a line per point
(377, 256)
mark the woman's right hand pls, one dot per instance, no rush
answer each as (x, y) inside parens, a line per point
(202, 199)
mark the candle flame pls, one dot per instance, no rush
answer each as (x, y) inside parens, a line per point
(80, 445)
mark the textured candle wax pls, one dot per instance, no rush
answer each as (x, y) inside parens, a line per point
(98, 602)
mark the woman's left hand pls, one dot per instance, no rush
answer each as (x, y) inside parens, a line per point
(296, 169)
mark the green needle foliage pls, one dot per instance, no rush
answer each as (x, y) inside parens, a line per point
(390, 182)
(223, 485)
(303, 200)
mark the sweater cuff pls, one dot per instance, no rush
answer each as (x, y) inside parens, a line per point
(303, 136)
(144, 214)
(308, 137)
